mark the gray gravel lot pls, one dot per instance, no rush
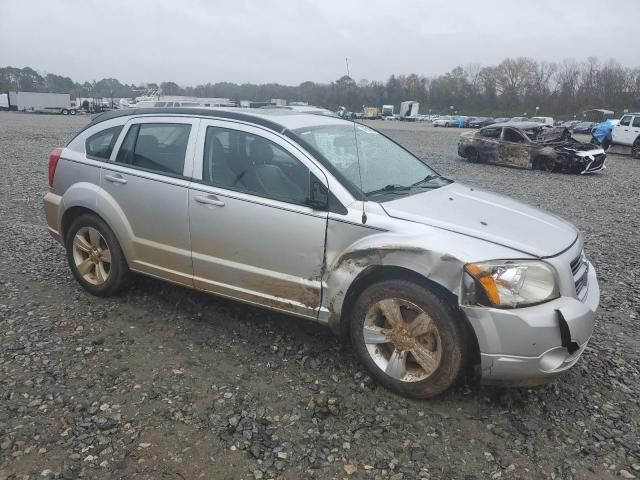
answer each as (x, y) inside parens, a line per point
(165, 383)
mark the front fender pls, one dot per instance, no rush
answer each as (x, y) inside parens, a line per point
(435, 254)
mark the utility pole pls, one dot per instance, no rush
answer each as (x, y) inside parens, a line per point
(346, 60)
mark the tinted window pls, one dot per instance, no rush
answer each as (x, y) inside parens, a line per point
(100, 145)
(159, 147)
(626, 120)
(241, 161)
(490, 132)
(636, 121)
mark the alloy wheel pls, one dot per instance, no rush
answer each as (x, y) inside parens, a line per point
(402, 339)
(91, 255)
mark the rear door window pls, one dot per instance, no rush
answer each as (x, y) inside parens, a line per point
(100, 145)
(636, 121)
(156, 147)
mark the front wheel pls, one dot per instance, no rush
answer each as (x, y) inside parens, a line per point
(95, 257)
(408, 338)
(472, 155)
(545, 164)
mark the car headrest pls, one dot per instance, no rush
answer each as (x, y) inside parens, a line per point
(260, 152)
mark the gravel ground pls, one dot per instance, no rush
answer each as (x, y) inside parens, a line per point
(166, 383)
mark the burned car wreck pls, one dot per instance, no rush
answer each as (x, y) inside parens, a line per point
(531, 145)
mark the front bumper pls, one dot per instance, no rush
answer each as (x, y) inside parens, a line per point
(532, 345)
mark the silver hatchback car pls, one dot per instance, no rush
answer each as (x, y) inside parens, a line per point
(331, 221)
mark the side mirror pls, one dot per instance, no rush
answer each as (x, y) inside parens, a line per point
(318, 194)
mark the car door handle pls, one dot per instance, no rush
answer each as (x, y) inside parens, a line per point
(209, 200)
(115, 178)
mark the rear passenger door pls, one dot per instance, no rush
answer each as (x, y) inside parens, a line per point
(146, 185)
(252, 235)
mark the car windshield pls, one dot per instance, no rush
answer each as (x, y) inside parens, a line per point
(370, 161)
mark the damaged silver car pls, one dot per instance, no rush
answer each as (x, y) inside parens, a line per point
(533, 146)
(331, 221)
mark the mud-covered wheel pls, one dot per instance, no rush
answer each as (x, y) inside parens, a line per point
(545, 164)
(635, 148)
(472, 155)
(408, 338)
(95, 257)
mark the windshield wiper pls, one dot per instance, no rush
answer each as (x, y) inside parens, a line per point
(391, 188)
(426, 179)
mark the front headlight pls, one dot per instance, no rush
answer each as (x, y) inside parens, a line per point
(509, 283)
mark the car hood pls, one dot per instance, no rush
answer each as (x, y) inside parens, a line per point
(487, 216)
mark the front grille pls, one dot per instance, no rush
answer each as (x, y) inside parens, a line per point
(580, 272)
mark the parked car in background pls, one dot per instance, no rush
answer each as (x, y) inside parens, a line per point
(543, 120)
(444, 121)
(460, 122)
(480, 122)
(570, 123)
(518, 119)
(627, 133)
(427, 276)
(583, 127)
(531, 145)
(501, 120)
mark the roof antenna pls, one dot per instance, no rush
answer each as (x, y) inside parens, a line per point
(355, 138)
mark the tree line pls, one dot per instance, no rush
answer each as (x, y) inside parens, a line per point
(513, 87)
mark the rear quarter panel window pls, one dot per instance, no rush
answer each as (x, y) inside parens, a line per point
(100, 144)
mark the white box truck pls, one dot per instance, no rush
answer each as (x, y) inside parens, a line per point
(409, 111)
(387, 112)
(41, 102)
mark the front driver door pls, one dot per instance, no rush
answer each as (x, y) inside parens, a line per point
(252, 236)
(514, 149)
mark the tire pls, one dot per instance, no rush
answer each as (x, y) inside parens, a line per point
(472, 155)
(65, 111)
(545, 164)
(438, 338)
(88, 260)
(72, 112)
(635, 148)
(446, 125)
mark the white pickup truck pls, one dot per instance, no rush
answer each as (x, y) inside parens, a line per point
(627, 133)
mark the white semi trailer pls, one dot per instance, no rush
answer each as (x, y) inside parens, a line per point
(41, 102)
(409, 111)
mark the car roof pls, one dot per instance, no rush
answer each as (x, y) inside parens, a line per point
(277, 119)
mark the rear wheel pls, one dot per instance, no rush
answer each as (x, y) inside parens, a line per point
(95, 257)
(65, 111)
(635, 148)
(72, 112)
(407, 338)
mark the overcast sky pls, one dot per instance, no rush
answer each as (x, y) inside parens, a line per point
(258, 41)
